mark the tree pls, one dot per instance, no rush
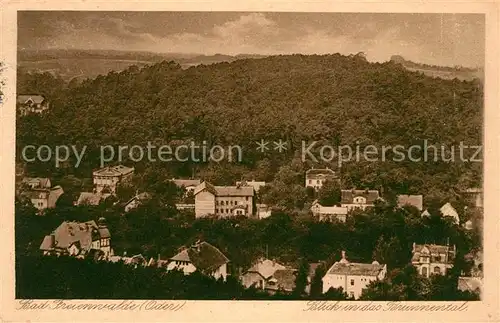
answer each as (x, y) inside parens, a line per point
(329, 193)
(301, 279)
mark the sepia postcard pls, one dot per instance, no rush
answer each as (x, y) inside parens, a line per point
(249, 161)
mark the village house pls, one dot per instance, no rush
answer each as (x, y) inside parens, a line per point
(263, 211)
(316, 177)
(328, 213)
(411, 200)
(223, 201)
(28, 104)
(36, 182)
(449, 210)
(137, 200)
(91, 198)
(79, 240)
(134, 261)
(202, 257)
(352, 277)
(431, 259)
(474, 196)
(188, 184)
(260, 273)
(358, 199)
(41, 195)
(107, 178)
(283, 280)
(253, 183)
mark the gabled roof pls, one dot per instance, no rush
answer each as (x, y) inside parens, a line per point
(449, 210)
(90, 198)
(225, 190)
(205, 257)
(370, 195)
(139, 197)
(205, 186)
(42, 182)
(284, 279)
(320, 171)
(355, 269)
(234, 190)
(265, 268)
(414, 200)
(23, 98)
(186, 182)
(471, 284)
(320, 209)
(431, 250)
(68, 233)
(118, 170)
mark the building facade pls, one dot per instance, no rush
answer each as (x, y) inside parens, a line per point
(316, 177)
(223, 201)
(78, 239)
(201, 256)
(107, 178)
(329, 213)
(352, 277)
(29, 104)
(358, 199)
(431, 259)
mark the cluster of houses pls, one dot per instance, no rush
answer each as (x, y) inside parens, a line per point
(228, 201)
(91, 239)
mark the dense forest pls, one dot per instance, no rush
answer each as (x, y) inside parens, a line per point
(332, 99)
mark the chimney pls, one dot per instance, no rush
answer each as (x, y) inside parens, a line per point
(125, 254)
(343, 254)
(158, 256)
(414, 246)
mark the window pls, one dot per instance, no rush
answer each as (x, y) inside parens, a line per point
(351, 294)
(310, 181)
(437, 270)
(424, 271)
(318, 182)
(246, 198)
(352, 282)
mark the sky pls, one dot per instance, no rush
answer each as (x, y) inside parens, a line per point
(438, 39)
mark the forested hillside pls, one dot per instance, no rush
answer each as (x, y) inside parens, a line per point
(331, 98)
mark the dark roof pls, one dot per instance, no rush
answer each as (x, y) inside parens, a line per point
(23, 98)
(69, 233)
(434, 250)
(414, 200)
(284, 280)
(370, 195)
(118, 170)
(355, 269)
(203, 256)
(225, 190)
(314, 173)
(186, 182)
(42, 182)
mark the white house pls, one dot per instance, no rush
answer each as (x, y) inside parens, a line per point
(316, 177)
(358, 199)
(260, 273)
(135, 201)
(328, 213)
(109, 177)
(203, 257)
(253, 183)
(431, 259)
(28, 104)
(188, 184)
(352, 277)
(223, 201)
(449, 210)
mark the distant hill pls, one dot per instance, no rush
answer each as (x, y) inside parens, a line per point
(82, 64)
(444, 72)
